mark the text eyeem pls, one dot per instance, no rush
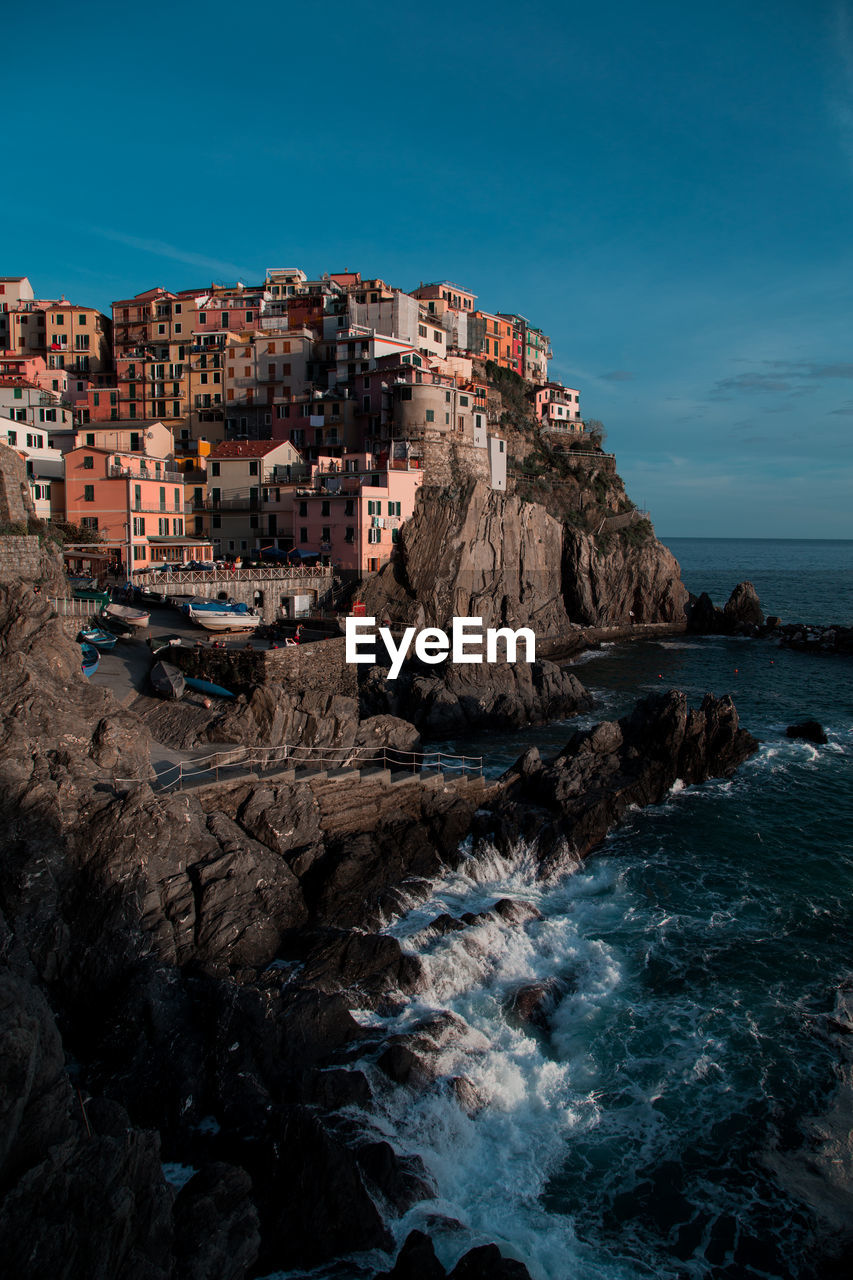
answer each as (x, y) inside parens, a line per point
(432, 645)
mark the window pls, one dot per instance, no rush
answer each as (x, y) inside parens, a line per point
(325, 508)
(395, 535)
(89, 493)
(90, 522)
(437, 336)
(137, 497)
(253, 467)
(88, 462)
(90, 439)
(374, 535)
(223, 320)
(430, 415)
(138, 527)
(303, 534)
(422, 333)
(216, 522)
(406, 393)
(163, 528)
(18, 393)
(139, 553)
(463, 400)
(394, 508)
(303, 509)
(326, 533)
(12, 437)
(374, 508)
(349, 535)
(501, 446)
(162, 499)
(202, 317)
(177, 496)
(349, 507)
(214, 468)
(447, 419)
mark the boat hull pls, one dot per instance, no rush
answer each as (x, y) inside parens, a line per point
(102, 640)
(137, 618)
(206, 686)
(167, 681)
(225, 621)
(89, 658)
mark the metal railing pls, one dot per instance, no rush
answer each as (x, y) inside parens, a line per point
(66, 607)
(197, 577)
(220, 766)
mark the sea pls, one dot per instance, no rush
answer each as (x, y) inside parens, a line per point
(648, 1129)
(651, 1129)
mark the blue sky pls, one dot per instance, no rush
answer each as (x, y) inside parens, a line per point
(665, 188)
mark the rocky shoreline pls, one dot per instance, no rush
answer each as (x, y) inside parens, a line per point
(179, 973)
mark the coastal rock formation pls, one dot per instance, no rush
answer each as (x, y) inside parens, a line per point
(196, 956)
(466, 697)
(741, 614)
(564, 807)
(606, 586)
(475, 552)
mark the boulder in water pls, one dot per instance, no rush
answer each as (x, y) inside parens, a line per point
(809, 731)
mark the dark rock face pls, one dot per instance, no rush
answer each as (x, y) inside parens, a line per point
(564, 807)
(809, 730)
(741, 615)
(201, 953)
(743, 608)
(417, 1261)
(498, 695)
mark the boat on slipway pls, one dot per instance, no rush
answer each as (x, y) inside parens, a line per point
(89, 659)
(207, 686)
(167, 680)
(137, 618)
(215, 606)
(219, 620)
(103, 640)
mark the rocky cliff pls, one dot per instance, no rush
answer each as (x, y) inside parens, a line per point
(177, 973)
(472, 551)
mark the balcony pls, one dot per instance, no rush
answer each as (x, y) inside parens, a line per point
(166, 476)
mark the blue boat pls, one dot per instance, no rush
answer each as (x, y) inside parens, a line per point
(90, 659)
(205, 686)
(214, 606)
(103, 640)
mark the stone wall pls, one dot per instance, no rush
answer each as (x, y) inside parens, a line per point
(449, 463)
(319, 667)
(20, 559)
(16, 505)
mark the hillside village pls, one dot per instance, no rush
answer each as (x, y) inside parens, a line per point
(294, 419)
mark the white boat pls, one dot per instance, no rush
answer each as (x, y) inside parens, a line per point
(133, 617)
(212, 621)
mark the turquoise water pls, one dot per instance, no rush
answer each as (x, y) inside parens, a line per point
(700, 950)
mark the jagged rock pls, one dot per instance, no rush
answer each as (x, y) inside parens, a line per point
(216, 1225)
(602, 589)
(514, 911)
(809, 730)
(96, 1207)
(742, 607)
(565, 806)
(369, 966)
(35, 1094)
(533, 1003)
(487, 1263)
(415, 1261)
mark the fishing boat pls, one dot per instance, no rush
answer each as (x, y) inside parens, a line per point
(159, 644)
(220, 621)
(90, 659)
(206, 686)
(215, 606)
(133, 617)
(119, 628)
(103, 640)
(167, 681)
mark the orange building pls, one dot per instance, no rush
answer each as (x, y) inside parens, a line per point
(135, 504)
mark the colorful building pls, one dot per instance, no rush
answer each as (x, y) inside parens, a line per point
(134, 504)
(247, 493)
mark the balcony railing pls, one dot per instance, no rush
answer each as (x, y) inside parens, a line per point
(166, 476)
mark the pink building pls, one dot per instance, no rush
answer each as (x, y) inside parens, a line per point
(558, 408)
(352, 514)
